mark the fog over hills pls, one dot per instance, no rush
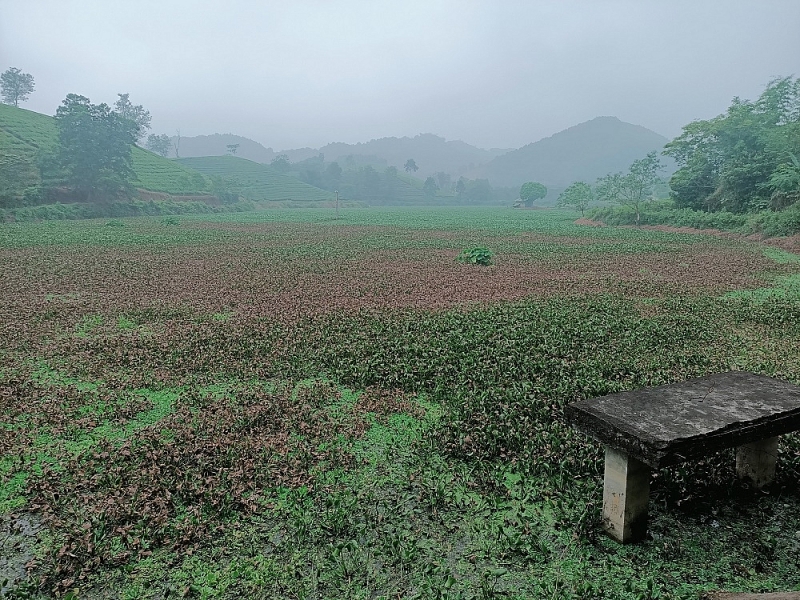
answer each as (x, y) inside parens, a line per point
(217, 145)
(583, 152)
(430, 152)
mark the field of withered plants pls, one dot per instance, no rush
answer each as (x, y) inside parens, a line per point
(288, 405)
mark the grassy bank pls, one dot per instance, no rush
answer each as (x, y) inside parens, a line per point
(768, 223)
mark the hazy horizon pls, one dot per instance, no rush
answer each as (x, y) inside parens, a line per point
(307, 74)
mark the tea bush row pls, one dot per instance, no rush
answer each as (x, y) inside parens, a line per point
(132, 208)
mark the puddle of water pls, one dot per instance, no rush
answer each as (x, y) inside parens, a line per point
(18, 536)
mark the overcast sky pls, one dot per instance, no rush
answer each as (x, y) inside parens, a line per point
(493, 73)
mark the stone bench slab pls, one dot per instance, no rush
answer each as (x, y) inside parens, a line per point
(668, 424)
(673, 423)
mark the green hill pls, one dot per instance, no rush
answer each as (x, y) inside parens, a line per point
(581, 153)
(24, 134)
(256, 181)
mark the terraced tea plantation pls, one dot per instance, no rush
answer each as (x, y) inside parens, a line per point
(23, 133)
(286, 405)
(256, 181)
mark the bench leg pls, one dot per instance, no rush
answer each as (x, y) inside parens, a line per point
(626, 493)
(756, 462)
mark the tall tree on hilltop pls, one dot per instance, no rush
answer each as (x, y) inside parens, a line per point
(281, 163)
(135, 113)
(443, 180)
(333, 173)
(16, 86)
(461, 186)
(95, 146)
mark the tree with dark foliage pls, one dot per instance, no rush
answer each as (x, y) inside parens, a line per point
(95, 145)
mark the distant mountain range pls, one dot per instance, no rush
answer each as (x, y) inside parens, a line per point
(581, 153)
(217, 145)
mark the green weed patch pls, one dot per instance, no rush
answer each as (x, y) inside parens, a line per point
(781, 256)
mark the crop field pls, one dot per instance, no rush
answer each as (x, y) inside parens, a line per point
(256, 181)
(282, 404)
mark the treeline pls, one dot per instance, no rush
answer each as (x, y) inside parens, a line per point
(368, 179)
(744, 160)
(739, 170)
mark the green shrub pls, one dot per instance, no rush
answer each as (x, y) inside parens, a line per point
(115, 223)
(116, 210)
(785, 222)
(476, 256)
(664, 213)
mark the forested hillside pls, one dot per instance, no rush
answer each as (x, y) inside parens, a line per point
(745, 159)
(738, 171)
(431, 153)
(584, 152)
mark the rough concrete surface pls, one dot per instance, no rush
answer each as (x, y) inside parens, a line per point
(673, 423)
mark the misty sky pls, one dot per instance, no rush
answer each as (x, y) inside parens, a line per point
(494, 73)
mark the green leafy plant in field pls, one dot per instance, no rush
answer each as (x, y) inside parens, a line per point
(476, 256)
(88, 325)
(782, 257)
(125, 323)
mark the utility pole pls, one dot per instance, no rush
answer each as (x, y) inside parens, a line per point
(337, 205)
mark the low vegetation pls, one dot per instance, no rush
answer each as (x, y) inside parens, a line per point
(339, 409)
(765, 223)
(476, 256)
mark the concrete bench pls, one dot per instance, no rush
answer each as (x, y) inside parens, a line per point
(660, 426)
